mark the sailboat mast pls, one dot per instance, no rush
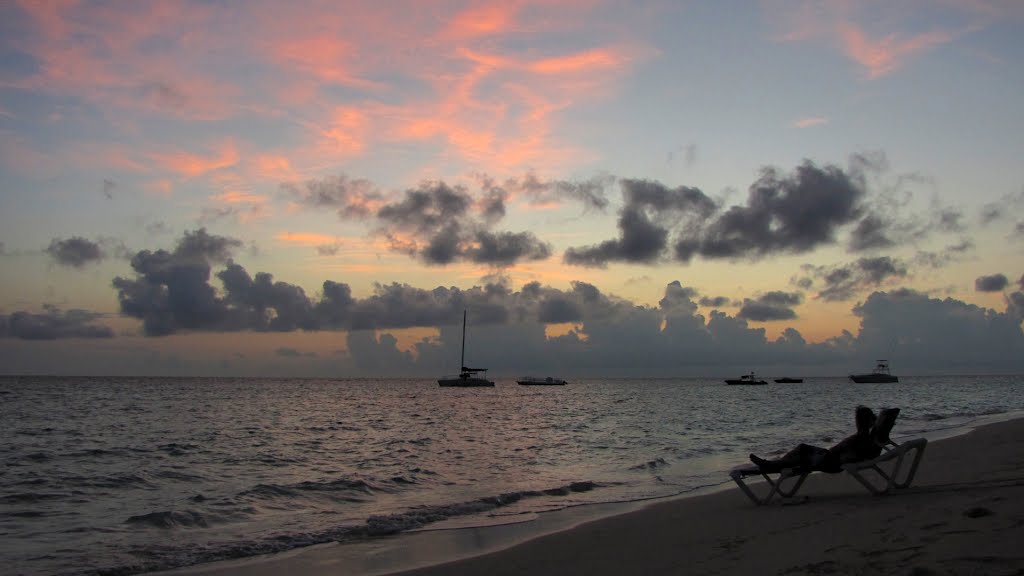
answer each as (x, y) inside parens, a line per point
(462, 361)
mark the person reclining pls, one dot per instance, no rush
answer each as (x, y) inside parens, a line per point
(860, 446)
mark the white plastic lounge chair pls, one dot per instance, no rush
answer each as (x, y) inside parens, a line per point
(891, 452)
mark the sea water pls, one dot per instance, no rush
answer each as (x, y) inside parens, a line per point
(129, 475)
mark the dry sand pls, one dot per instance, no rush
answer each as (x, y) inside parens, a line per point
(963, 515)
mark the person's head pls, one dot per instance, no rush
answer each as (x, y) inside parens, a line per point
(865, 419)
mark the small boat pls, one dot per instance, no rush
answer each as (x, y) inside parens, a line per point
(746, 380)
(880, 375)
(467, 377)
(536, 381)
(788, 380)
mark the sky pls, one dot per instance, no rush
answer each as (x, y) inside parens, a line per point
(608, 188)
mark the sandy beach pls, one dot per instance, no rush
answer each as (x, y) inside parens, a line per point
(963, 515)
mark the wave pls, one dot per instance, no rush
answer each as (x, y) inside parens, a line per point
(182, 476)
(341, 489)
(122, 481)
(176, 449)
(650, 465)
(170, 519)
(164, 558)
(30, 497)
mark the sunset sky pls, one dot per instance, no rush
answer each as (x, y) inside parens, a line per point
(650, 188)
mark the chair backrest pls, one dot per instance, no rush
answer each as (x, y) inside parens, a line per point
(883, 426)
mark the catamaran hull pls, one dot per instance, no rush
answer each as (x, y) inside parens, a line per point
(465, 382)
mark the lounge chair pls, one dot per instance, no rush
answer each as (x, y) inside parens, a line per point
(891, 452)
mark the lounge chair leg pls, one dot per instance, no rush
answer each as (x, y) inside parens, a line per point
(776, 487)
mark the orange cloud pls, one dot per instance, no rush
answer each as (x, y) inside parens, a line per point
(274, 167)
(239, 198)
(192, 165)
(307, 238)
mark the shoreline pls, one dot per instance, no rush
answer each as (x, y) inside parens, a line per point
(494, 549)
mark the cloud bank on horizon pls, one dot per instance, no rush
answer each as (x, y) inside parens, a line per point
(607, 188)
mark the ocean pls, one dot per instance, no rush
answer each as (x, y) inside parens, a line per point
(131, 475)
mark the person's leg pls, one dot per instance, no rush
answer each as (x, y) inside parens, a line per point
(803, 456)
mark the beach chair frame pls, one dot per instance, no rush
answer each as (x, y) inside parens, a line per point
(892, 452)
(777, 484)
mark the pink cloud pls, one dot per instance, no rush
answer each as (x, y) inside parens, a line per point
(880, 53)
(484, 20)
(883, 56)
(193, 165)
(440, 77)
(237, 197)
(104, 53)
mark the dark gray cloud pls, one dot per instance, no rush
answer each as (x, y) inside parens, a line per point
(845, 281)
(1008, 205)
(590, 193)
(607, 336)
(171, 291)
(871, 233)
(950, 254)
(771, 306)
(439, 224)
(108, 188)
(650, 210)
(640, 241)
(922, 332)
(349, 198)
(75, 251)
(791, 213)
(1015, 304)
(557, 310)
(263, 304)
(200, 246)
(949, 219)
(893, 215)
(715, 301)
(53, 324)
(507, 248)
(678, 298)
(426, 209)
(993, 283)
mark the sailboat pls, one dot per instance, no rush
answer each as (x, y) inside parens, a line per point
(468, 376)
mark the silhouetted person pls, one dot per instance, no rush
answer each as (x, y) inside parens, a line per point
(860, 446)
